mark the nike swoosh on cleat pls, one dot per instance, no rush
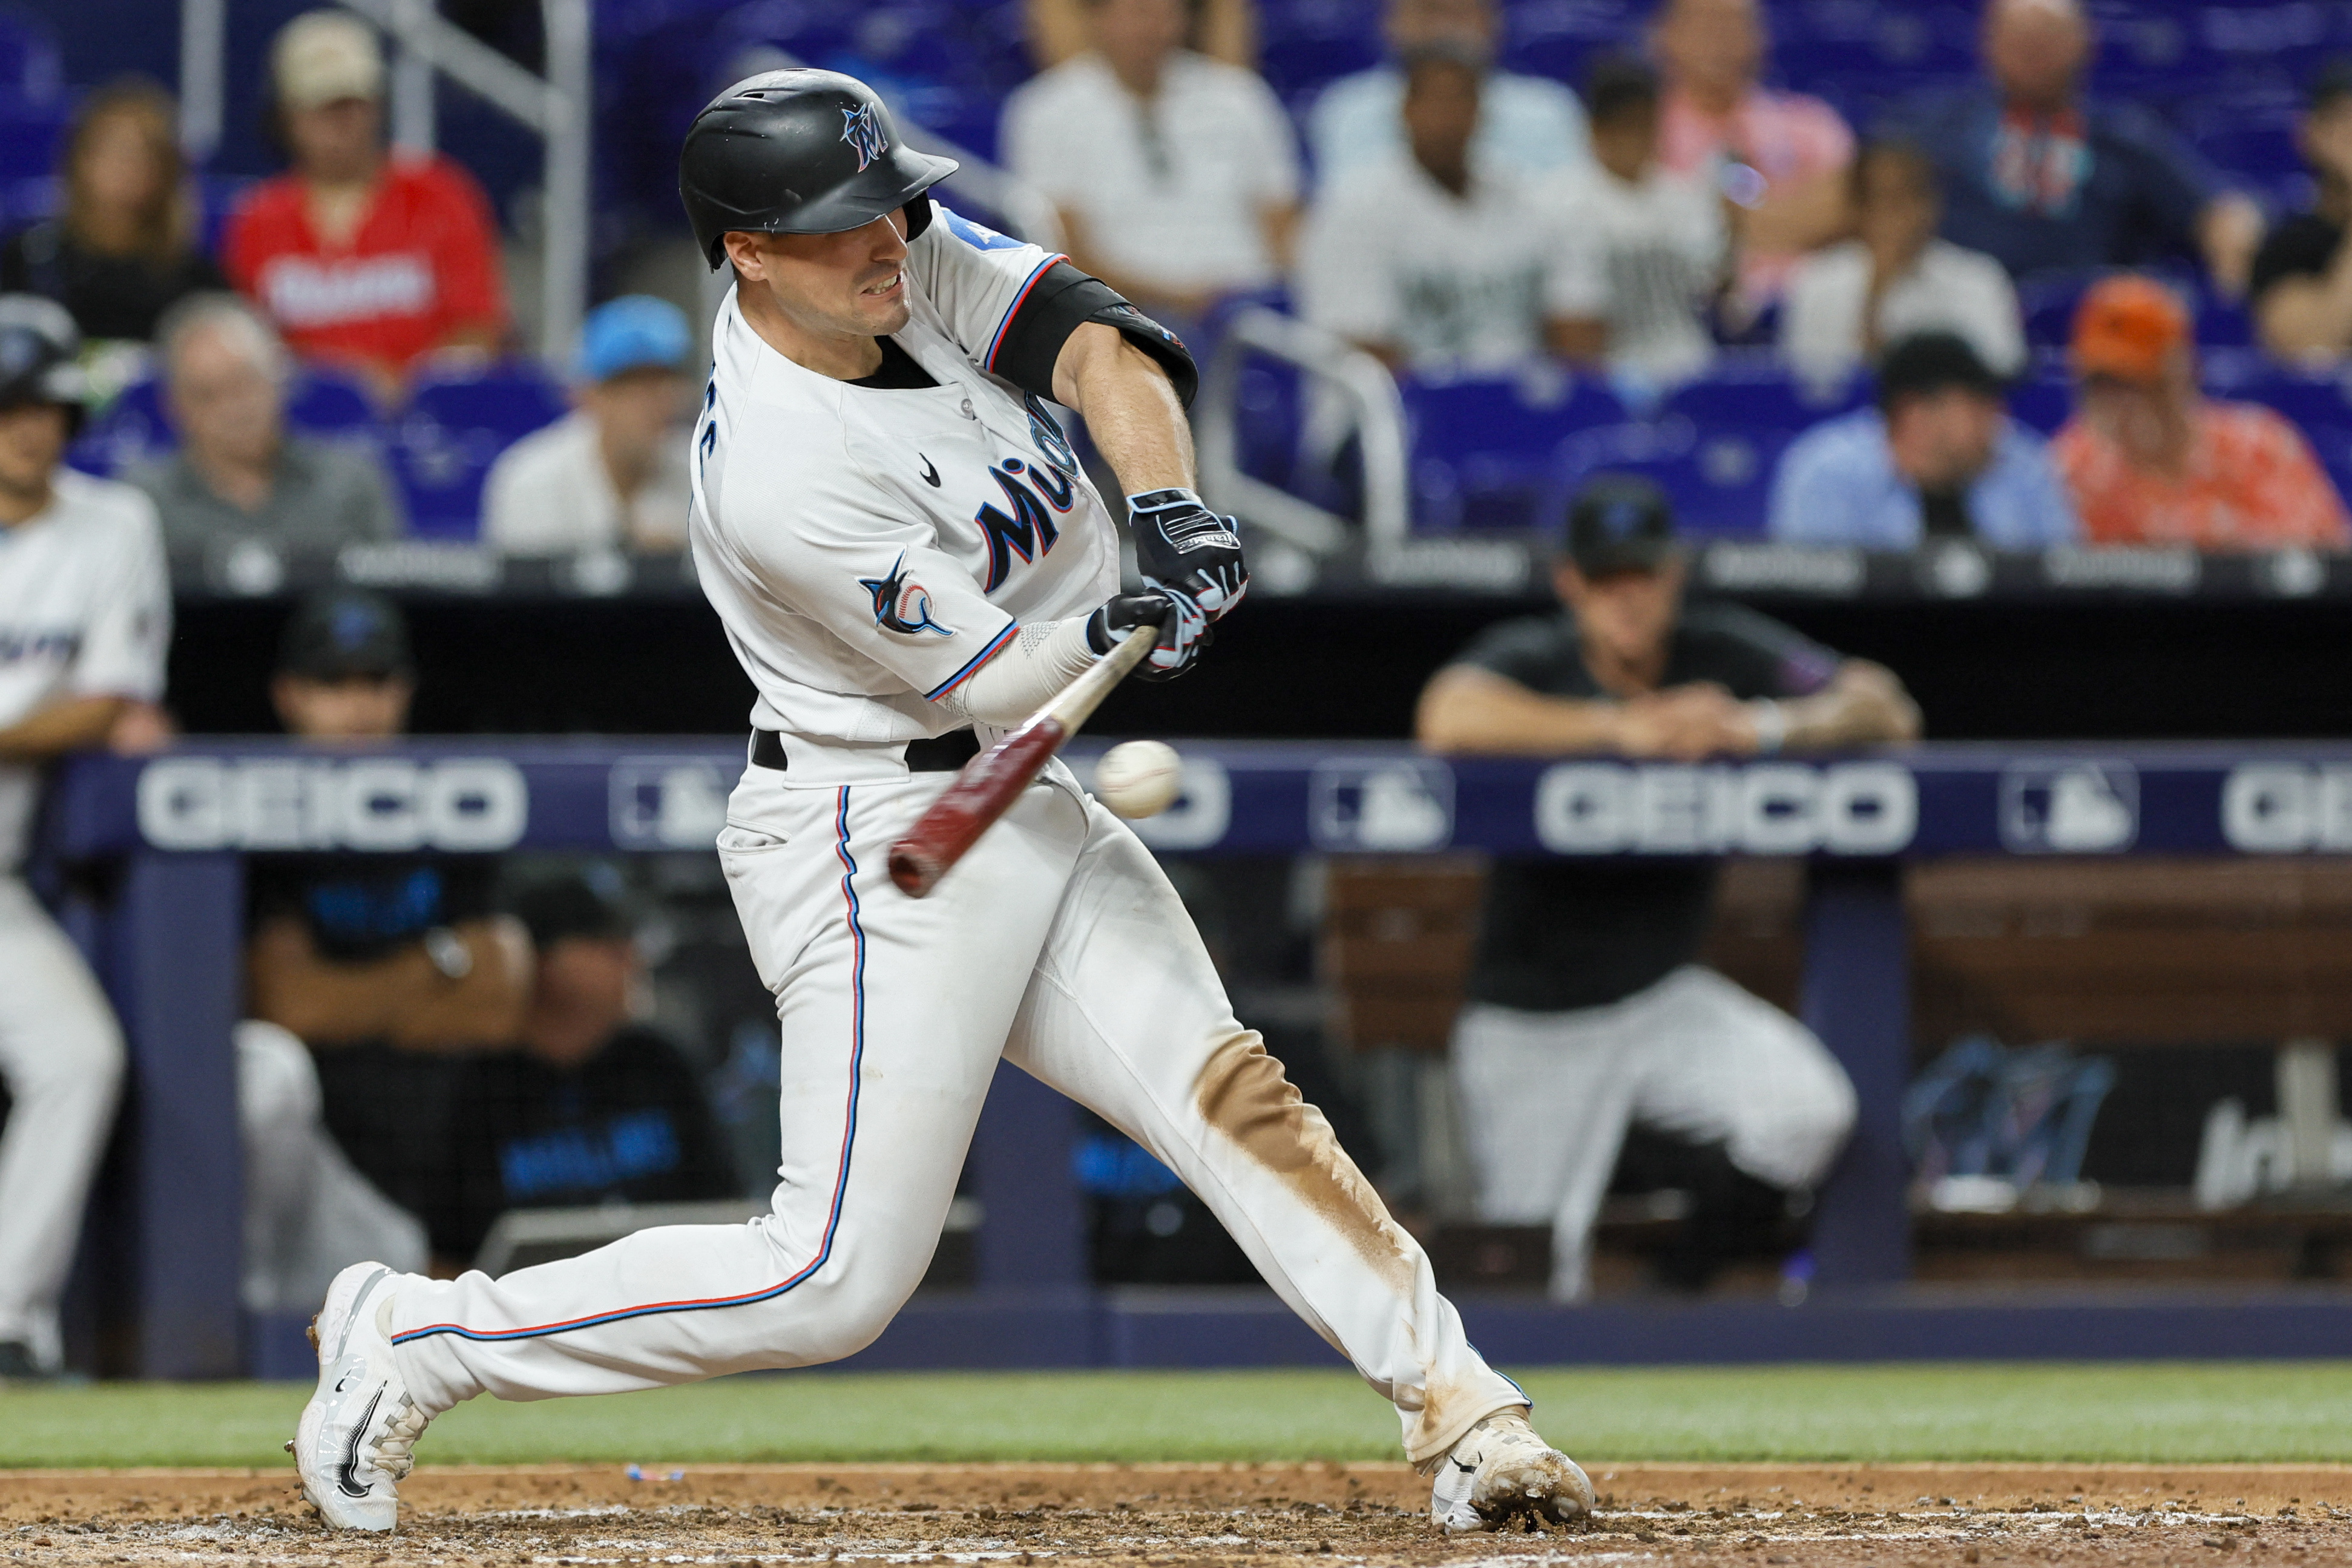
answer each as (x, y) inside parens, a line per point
(352, 1449)
(930, 474)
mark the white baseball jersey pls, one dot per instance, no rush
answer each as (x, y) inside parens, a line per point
(868, 549)
(85, 611)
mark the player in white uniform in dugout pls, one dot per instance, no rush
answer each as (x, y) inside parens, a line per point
(85, 621)
(903, 550)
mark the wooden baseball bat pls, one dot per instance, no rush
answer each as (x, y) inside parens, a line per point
(987, 786)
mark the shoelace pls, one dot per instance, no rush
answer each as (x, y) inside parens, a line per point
(400, 1435)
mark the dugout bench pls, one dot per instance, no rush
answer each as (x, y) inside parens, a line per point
(171, 832)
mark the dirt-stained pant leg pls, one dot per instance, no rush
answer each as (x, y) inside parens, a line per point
(894, 1015)
(1128, 1016)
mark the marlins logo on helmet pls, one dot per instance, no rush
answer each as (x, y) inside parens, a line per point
(900, 605)
(863, 134)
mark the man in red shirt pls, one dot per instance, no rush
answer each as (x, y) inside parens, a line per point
(360, 256)
(2152, 461)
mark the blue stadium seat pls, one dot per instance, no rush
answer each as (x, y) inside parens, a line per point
(1753, 392)
(32, 67)
(1481, 446)
(1557, 39)
(1304, 44)
(455, 428)
(31, 135)
(2043, 401)
(133, 428)
(1719, 481)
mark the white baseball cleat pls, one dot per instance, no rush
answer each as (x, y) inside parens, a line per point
(351, 1445)
(1500, 1471)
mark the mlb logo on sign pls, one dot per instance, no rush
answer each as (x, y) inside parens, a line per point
(1389, 805)
(663, 803)
(2069, 808)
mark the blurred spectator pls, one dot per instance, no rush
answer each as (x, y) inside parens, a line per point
(1422, 257)
(360, 256)
(2302, 286)
(1938, 459)
(2152, 461)
(124, 247)
(384, 964)
(2045, 181)
(1223, 30)
(238, 473)
(1526, 125)
(593, 1107)
(87, 612)
(1176, 176)
(1781, 156)
(1895, 278)
(1644, 249)
(613, 475)
(1588, 1010)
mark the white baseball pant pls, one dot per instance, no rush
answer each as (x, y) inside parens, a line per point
(62, 1056)
(1546, 1097)
(309, 1213)
(1058, 944)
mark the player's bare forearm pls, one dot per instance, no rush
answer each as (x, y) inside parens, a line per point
(1467, 711)
(77, 723)
(1129, 406)
(401, 996)
(1863, 704)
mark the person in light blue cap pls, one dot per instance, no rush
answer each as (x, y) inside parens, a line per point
(611, 474)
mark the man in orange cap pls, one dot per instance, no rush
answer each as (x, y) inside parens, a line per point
(2151, 461)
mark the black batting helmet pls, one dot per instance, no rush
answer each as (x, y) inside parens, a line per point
(38, 343)
(796, 151)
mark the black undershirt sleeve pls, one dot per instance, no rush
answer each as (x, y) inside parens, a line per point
(1060, 303)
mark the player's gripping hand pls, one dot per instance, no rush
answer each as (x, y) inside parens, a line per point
(1186, 550)
(1183, 631)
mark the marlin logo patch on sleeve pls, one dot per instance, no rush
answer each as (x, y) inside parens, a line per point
(900, 605)
(864, 134)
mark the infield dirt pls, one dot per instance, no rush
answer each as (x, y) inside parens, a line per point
(1193, 1516)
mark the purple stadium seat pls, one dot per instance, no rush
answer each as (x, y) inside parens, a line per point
(1304, 44)
(455, 428)
(2043, 401)
(1719, 481)
(1755, 394)
(1556, 38)
(328, 401)
(30, 137)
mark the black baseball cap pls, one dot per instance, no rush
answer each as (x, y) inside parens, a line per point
(1620, 522)
(1928, 363)
(571, 904)
(346, 634)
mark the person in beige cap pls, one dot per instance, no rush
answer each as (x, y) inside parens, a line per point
(2152, 461)
(372, 258)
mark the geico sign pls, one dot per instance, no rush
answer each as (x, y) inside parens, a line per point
(2285, 807)
(462, 804)
(1766, 809)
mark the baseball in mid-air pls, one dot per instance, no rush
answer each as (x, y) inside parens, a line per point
(1138, 778)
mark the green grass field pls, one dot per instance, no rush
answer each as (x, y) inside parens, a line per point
(2173, 1413)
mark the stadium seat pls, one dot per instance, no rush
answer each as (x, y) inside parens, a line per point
(2043, 402)
(31, 135)
(133, 428)
(1720, 481)
(1304, 44)
(1480, 447)
(453, 429)
(32, 67)
(1756, 393)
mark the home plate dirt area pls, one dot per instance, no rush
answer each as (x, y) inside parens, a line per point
(1193, 1516)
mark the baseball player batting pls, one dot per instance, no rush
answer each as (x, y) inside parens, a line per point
(909, 561)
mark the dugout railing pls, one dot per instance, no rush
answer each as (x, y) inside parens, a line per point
(165, 840)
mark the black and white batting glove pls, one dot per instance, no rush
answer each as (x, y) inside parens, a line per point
(1183, 631)
(1186, 550)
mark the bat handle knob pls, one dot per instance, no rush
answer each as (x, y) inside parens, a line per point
(915, 872)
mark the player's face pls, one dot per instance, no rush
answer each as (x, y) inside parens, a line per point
(365, 707)
(32, 443)
(847, 285)
(1629, 615)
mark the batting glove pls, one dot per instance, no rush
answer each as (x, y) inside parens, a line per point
(1186, 550)
(1182, 631)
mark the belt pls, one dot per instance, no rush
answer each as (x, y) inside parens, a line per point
(940, 753)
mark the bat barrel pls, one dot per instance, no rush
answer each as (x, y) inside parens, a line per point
(976, 797)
